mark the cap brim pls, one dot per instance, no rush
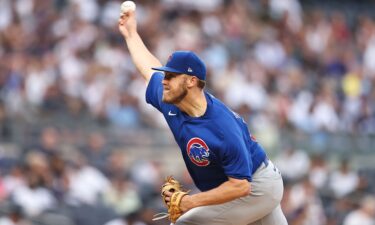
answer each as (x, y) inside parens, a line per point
(166, 69)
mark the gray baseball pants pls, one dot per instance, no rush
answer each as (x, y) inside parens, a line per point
(260, 207)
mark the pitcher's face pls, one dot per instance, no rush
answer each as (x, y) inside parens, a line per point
(174, 87)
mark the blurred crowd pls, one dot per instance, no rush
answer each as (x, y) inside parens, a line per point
(318, 193)
(269, 60)
(47, 184)
(276, 64)
(93, 184)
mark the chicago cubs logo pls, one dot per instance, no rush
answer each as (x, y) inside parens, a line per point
(198, 152)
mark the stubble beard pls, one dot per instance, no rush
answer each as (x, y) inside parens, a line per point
(177, 96)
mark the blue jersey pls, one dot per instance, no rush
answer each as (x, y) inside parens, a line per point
(214, 146)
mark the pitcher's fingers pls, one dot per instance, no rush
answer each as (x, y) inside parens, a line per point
(121, 22)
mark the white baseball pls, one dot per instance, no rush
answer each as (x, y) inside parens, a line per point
(128, 6)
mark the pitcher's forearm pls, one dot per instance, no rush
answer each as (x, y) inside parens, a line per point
(143, 59)
(226, 192)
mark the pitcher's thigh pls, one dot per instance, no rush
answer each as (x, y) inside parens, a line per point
(276, 217)
(237, 212)
(205, 215)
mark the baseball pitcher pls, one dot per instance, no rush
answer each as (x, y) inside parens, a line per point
(239, 185)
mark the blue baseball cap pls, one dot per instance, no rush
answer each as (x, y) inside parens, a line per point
(185, 62)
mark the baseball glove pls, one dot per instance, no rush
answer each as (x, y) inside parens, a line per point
(174, 211)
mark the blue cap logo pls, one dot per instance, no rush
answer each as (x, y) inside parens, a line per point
(185, 62)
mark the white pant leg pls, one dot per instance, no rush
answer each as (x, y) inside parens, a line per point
(275, 217)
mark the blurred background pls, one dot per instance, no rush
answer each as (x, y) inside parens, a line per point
(79, 145)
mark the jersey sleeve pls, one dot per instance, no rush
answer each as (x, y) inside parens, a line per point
(235, 158)
(154, 91)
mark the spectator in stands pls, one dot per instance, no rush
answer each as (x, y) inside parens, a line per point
(293, 163)
(5, 124)
(364, 215)
(344, 180)
(38, 164)
(122, 196)
(86, 183)
(116, 164)
(34, 198)
(14, 216)
(59, 184)
(14, 179)
(96, 150)
(48, 142)
(304, 204)
(319, 172)
(124, 112)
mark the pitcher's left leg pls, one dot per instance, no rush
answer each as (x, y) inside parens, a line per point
(207, 215)
(237, 212)
(276, 217)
